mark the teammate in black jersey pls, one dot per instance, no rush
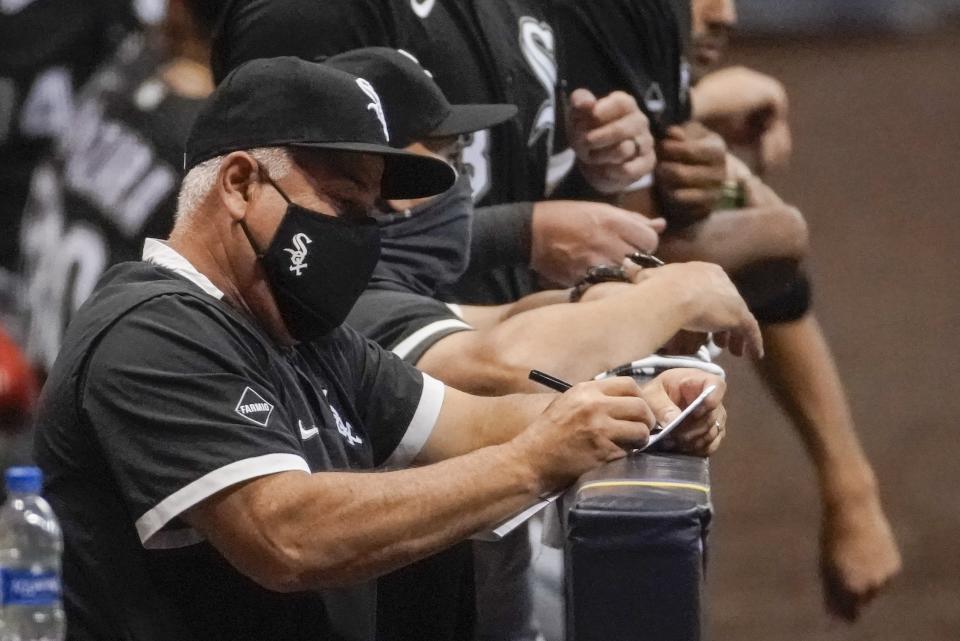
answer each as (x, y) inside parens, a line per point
(195, 430)
(761, 240)
(48, 48)
(112, 177)
(481, 52)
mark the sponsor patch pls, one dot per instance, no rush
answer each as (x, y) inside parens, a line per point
(254, 407)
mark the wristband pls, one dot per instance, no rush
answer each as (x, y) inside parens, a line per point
(598, 274)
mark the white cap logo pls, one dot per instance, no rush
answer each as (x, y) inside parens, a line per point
(375, 106)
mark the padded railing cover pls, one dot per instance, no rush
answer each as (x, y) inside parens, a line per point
(635, 539)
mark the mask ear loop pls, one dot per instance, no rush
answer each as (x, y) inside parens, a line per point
(243, 221)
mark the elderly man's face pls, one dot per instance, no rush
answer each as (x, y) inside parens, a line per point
(333, 183)
(712, 22)
(338, 184)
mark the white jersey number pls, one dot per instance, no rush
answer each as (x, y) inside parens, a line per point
(63, 264)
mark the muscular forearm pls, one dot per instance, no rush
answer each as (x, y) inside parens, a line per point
(330, 529)
(800, 371)
(576, 341)
(492, 421)
(737, 238)
(482, 317)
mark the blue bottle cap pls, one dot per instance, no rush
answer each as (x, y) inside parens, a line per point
(24, 480)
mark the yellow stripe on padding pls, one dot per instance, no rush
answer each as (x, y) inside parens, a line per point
(660, 484)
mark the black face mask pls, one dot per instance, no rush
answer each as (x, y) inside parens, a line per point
(317, 266)
(426, 246)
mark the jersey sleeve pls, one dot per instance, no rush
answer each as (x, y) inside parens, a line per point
(501, 236)
(397, 403)
(180, 405)
(404, 323)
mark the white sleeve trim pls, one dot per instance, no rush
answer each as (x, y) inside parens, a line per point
(456, 309)
(421, 425)
(411, 342)
(150, 524)
(642, 183)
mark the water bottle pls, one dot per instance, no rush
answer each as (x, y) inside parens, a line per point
(30, 548)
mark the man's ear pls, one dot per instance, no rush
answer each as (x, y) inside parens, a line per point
(237, 182)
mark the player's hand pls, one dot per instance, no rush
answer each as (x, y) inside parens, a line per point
(858, 556)
(589, 425)
(747, 108)
(570, 236)
(715, 306)
(702, 431)
(611, 138)
(691, 171)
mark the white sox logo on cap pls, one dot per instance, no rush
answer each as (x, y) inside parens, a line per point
(375, 106)
(299, 254)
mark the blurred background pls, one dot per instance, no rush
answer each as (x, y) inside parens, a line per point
(875, 106)
(784, 16)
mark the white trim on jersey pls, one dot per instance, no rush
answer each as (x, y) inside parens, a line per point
(160, 253)
(642, 183)
(421, 425)
(150, 524)
(456, 309)
(411, 342)
(558, 166)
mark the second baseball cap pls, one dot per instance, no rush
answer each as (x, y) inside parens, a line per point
(289, 102)
(416, 106)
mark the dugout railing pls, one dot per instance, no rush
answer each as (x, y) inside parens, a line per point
(635, 540)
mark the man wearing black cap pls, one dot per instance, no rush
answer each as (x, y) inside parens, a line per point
(191, 428)
(487, 52)
(489, 350)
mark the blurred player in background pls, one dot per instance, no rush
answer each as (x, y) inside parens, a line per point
(752, 233)
(48, 48)
(112, 177)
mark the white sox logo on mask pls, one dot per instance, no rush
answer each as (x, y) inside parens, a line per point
(299, 254)
(375, 106)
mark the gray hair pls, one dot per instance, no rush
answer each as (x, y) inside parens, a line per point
(200, 180)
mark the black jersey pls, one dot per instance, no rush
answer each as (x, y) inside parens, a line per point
(478, 52)
(110, 181)
(164, 395)
(635, 46)
(406, 323)
(47, 49)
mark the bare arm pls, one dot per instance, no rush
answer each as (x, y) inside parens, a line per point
(295, 531)
(488, 316)
(738, 238)
(859, 554)
(576, 341)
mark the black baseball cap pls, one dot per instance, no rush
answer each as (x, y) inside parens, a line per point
(289, 102)
(415, 105)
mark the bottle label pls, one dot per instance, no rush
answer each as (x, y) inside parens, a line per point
(23, 587)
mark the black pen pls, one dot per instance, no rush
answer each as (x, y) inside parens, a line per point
(552, 382)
